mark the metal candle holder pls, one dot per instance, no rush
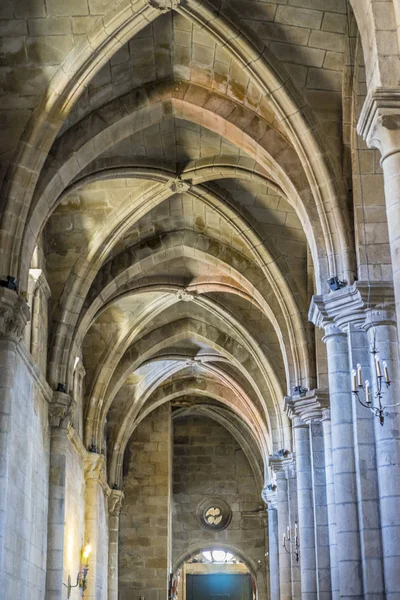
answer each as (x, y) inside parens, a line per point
(294, 546)
(382, 378)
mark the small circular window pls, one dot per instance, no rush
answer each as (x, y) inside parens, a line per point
(214, 514)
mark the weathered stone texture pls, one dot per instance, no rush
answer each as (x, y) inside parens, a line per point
(208, 462)
(144, 555)
(24, 473)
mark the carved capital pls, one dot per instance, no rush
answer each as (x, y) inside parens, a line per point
(279, 464)
(115, 501)
(337, 308)
(379, 122)
(14, 314)
(351, 306)
(179, 186)
(268, 493)
(95, 470)
(326, 414)
(306, 408)
(60, 410)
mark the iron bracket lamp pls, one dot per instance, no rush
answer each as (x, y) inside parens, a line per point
(82, 577)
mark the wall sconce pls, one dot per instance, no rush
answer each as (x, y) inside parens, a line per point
(81, 578)
(295, 544)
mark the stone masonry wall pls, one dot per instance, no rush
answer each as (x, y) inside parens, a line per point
(208, 462)
(24, 474)
(144, 554)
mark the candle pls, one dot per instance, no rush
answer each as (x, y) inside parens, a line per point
(386, 372)
(367, 392)
(378, 366)
(354, 379)
(359, 375)
(288, 532)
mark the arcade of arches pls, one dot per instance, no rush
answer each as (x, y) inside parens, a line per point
(199, 241)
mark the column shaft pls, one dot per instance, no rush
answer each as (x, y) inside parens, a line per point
(114, 504)
(347, 531)
(322, 554)
(366, 473)
(56, 515)
(96, 528)
(273, 540)
(283, 521)
(293, 517)
(391, 173)
(309, 589)
(388, 451)
(330, 500)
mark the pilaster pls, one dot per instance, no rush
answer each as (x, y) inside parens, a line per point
(96, 527)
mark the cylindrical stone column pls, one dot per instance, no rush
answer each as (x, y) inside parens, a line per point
(330, 500)
(366, 471)
(293, 517)
(273, 551)
(322, 554)
(55, 589)
(306, 510)
(114, 507)
(283, 521)
(347, 529)
(381, 326)
(391, 172)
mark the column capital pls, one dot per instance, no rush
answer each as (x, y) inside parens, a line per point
(304, 409)
(380, 316)
(268, 493)
(95, 470)
(336, 308)
(115, 501)
(94, 465)
(60, 410)
(326, 414)
(349, 306)
(14, 314)
(379, 122)
(280, 464)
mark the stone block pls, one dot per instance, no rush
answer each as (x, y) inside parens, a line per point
(12, 51)
(49, 26)
(301, 17)
(49, 50)
(310, 57)
(326, 41)
(34, 8)
(59, 8)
